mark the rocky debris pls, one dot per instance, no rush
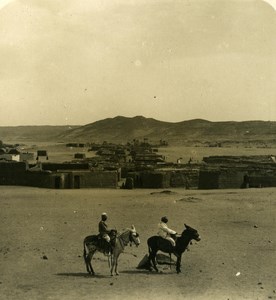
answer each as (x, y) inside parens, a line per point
(161, 259)
(165, 192)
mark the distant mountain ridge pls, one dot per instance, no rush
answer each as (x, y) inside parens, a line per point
(123, 129)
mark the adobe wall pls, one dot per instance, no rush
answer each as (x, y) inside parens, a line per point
(235, 178)
(90, 179)
(39, 179)
(65, 166)
(184, 178)
(262, 178)
(17, 173)
(155, 180)
(208, 179)
(221, 179)
(13, 173)
(231, 179)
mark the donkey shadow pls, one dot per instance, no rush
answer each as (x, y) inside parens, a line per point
(144, 272)
(84, 275)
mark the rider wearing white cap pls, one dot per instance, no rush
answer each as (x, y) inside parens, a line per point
(105, 233)
(103, 228)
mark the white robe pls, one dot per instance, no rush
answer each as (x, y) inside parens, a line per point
(164, 231)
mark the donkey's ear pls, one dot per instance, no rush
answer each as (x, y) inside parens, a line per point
(132, 227)
(186, 225)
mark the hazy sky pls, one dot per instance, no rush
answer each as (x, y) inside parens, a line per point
(79, 61)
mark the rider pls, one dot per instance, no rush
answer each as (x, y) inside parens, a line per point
(104, 232)
(165, 232)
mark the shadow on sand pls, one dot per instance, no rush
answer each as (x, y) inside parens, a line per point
(84, 275)
(143, 271)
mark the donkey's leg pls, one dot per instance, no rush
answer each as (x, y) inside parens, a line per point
(113, 262)
(89, 259)
(155, 263)
(116, 265)
(149, 262)
(85, 257)
(178, 264)
(152, 258)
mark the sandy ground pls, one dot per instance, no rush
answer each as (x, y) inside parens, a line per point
(234, 260)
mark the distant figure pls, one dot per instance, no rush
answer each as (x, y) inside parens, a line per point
(165, 232)
(246, 181)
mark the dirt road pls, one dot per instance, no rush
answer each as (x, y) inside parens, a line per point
(42, 233)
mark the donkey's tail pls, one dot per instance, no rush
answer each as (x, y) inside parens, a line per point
(84, 250)
(149, 246)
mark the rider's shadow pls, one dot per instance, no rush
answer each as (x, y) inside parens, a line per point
(84, 275)
(147, 272)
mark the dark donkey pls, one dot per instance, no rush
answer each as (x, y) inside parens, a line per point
(157, 243)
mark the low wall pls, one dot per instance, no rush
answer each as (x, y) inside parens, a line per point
(13, 173)
(89, 179)
(18, 173)
(65, 166)
(184, 178)
(208, 179)
(153, 179)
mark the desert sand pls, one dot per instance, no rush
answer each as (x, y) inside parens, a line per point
(42, 235)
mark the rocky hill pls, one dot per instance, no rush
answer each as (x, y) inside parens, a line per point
(123, 129)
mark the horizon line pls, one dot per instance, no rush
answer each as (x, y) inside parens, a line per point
(74, 125)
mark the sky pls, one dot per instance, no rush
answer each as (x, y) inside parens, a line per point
(75, 62)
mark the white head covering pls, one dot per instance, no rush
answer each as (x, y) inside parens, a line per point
(104, 214)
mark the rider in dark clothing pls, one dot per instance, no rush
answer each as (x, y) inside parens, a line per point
(104, 232)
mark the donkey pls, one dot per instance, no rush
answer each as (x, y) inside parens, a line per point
(157, 243)
(92, 244)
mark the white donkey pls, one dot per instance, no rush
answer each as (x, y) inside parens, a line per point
(92, 244)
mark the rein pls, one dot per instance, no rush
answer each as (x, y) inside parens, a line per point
(124, 239)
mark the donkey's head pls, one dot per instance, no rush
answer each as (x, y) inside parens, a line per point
(192, 233)
(134, 236)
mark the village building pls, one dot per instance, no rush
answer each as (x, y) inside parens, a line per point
(225, 172)
(42, 155)
(135, 165)
(10, 154)
(80, 156)
(60, 176)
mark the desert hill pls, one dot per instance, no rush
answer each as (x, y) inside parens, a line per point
(123, 129)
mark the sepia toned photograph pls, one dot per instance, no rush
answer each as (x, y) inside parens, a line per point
(137, 149)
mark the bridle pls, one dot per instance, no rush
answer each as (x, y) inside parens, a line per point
(132, 239)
